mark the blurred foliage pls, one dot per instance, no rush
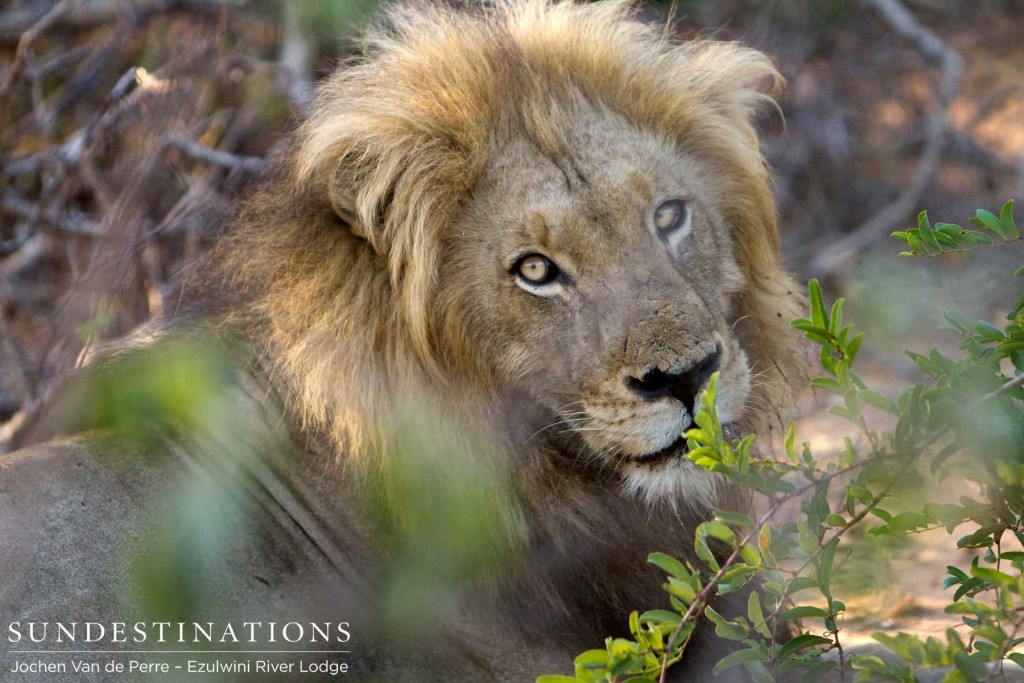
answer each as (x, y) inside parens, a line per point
(963, 421)
(175, 383)
(443, 514)
(178, 392)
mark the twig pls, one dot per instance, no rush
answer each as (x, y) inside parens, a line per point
(15, 354)
(777, 505)
(29, 36)
(119, 101)
(935, 50)
(1014, 383)
(215, 157)
(70, 221)
(1020, 177)
(90, 13)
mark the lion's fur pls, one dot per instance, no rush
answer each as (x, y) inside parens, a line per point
(399, 136)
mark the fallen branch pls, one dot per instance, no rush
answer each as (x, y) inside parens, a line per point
(935, 50)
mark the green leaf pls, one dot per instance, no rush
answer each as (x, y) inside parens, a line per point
(668, 564)
(956, 572)
(801, 583)
(789, 444)
(828, 555)
(846, 413)
(988, 220)
(978, 237)
(589, 658)
(740, 657)
(994, 576)
(960, 321)
(756, 615)
(828, 384)
(723, 627)
(794, 645)
(1006, 220)
(681, 589)
(559, 679)
(972, 666)
(700, 546)
(878, 401)
(814, 331)
(917, 246)
(803, 612)
(925, 230)
(835, 520)
(871, 668)
(659, 616)
(735, 519)
(989, 332)
(716, 529)
(819, 316)
(854, 346)
(835, 323)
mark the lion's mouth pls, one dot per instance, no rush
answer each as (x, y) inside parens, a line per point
(676, 449)
(679, 448)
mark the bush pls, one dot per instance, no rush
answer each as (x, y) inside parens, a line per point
(964, 419)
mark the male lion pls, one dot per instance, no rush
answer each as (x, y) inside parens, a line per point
(545, 223)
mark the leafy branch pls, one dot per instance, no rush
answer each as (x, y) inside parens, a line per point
(945, 238)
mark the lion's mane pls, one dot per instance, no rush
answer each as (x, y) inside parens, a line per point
(396, 140)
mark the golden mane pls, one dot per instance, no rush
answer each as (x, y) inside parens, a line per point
(399, 136)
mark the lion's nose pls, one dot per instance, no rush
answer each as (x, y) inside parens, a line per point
(682, 386)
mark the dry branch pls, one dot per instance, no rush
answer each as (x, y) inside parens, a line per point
(215, 157)
(29, 35)
(87, 14)
(68, 221)
(939, 52)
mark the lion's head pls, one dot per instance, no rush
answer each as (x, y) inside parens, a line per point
(545, 201)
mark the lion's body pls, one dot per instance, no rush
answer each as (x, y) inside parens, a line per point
(93, 535)
(379, 267)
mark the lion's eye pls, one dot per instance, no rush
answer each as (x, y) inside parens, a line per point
(535, 269)
(671, 215)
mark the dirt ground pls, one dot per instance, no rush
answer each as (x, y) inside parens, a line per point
(888, 583)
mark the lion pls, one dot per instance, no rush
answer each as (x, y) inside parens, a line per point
(545, 222)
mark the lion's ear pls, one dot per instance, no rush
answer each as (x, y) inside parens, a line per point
(342, 196)
(363, 214)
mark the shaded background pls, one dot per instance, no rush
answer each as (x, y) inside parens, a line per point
(128, 127)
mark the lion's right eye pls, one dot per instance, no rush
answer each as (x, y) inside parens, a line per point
(535, 269)
(671, 215)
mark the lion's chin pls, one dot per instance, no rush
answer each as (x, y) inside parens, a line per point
(673, 480)
(665, 475)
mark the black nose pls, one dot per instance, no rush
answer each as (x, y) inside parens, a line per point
(683, 386)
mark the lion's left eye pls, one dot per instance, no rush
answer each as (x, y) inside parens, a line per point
(671, 215)
(536, 269)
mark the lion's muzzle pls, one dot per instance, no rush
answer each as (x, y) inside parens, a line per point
(682, 385)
